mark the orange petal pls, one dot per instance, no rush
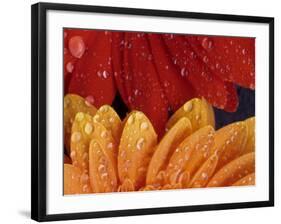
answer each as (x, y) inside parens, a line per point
(250, 144)
(82, 129)
(107, 116)
(206, 171)
(136, 147)
(72, 105)
(165, 149)
(102, 169)
(198, 111)
(190, 154)
(234, 171)
(230, 142)
(250, 179)
(74, 181)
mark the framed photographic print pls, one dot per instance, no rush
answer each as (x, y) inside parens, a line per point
(138, 111)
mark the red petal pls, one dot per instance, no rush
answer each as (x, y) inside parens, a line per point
(69, 60)
(92, 75)
(203, 80)
(144, 88)
(177, 89)
(118, 64)
(231, 58)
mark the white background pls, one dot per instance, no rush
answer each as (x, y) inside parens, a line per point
(57, 203)
(15, 110)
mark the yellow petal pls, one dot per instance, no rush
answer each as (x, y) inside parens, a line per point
(72, 105)
(82, 130)
(102, 169)
(198, 111)
(250, 144)
(250, 179)
(206, 171)
(107, 116)
(136, 147)
(165, 149)
(190, 154)
(234, 171)
(230, 142)
(74, 181)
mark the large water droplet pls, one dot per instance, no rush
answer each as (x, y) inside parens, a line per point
(140, 143)
(88, 128)
(76, 46)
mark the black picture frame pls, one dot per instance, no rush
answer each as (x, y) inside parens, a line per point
(39, 119)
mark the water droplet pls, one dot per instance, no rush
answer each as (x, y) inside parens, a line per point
(110, 145)
(104, 109)
(79, 116)
(184, 72)
(144, 126)
(205, 59)
(136, 91)
(96, 118)
(187, 107)
(207, 43)
(99, 74)
(140, 143)
(243, 51)
(88, 128)
(204, 175)
(105, 74)
(103, 134)
(73, 155)
(76, 136)
(69, 67)
(76, 46)
(101, 168)
(111, 119)
(89, 100)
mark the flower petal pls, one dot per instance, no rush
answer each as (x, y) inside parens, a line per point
(230, 142)
(144, 89)
(250, 179)
(102, 170)
(74, 181)
(165, 149)
(231, 58)
(136, 147)
(72, 105)
(92, 75)
(234, 171)
(198, 111)
(206, 84)
(177, 89)
(190, 154)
